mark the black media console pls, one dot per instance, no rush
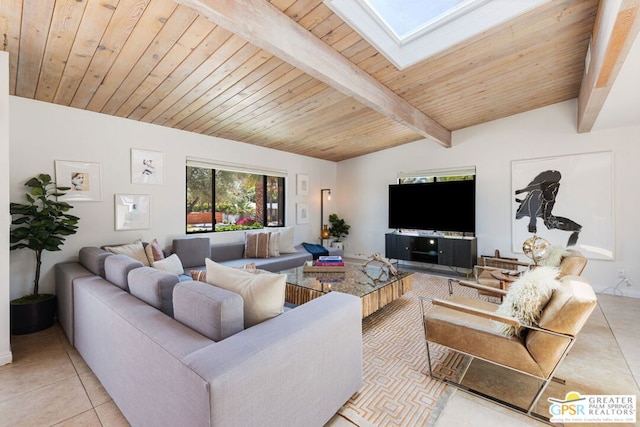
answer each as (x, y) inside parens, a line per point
(459, 252)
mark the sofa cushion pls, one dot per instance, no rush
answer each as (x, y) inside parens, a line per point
(262, 294)
(92, 258)
(256, 245)
(117, 268)
(135, 250)
(154, 252)
(170, 264)
(527, 296)
(213, 312)
(222, 252)
(192, 251)
(153, 286)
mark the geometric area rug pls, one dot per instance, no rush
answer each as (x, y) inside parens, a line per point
(396, 389)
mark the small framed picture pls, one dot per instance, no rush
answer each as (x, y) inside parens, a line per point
(132, 211)
(83, 179)
(147, 167)
(302, 213)
(302, 186)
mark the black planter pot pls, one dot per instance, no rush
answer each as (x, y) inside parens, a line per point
(34, 316)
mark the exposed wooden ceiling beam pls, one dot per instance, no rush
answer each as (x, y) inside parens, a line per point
(617, 25)
(263, 25)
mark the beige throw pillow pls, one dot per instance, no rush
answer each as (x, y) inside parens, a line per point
(262, 294)
(274, 244)
(527, 296)
(134, 250)
(171, 264)
(256, 245)
(286, 240)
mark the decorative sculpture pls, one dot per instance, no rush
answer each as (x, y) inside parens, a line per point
(376, 257)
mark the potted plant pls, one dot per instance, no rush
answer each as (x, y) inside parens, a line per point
(338, 229)
(39, 225)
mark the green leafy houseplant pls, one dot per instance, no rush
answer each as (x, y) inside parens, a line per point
(41, 224)
(339, 228)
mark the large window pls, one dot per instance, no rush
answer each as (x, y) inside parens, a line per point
(226, 200)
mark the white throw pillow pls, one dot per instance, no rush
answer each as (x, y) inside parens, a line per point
(262, 294)
(527, 296)
(135, 250)
(171, 264)
(286, 240)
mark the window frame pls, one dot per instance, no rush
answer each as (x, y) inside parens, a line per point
(266, 175)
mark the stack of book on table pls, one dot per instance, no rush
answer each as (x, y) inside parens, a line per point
(329, 261)
(326, 264)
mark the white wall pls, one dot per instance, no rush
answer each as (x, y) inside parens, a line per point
(42, 133)
(5, 347)
(490, 147)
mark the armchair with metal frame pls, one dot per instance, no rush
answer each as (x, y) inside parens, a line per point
(468, 326)
(494, 273)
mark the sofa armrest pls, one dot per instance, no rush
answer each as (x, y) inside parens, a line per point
(310, 351)
(511, 321)
(65, 274)
(480, 287)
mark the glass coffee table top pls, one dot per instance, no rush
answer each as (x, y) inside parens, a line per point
(355, 280)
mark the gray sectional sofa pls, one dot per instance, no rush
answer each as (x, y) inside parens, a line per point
(192, 251)
(177, 353)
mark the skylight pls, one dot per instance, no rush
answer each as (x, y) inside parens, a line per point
(409, 31)
(415, 15)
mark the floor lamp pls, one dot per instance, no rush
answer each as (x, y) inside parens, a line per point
(324, 233)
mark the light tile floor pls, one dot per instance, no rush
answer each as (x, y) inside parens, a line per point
(48, 383)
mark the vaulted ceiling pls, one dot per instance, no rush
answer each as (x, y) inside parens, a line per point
(293, 76)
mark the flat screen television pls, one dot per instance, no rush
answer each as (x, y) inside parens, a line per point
(434, 206)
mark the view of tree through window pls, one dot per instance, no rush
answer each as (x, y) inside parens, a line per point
(219, 200)
(423, 179)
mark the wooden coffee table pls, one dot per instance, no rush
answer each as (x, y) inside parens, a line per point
(373, 284)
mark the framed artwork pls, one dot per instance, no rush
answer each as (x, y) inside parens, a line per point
(302, 213)
(132, 211)
(567, 200)
(302, 185)
(83, 178)
(147, 167)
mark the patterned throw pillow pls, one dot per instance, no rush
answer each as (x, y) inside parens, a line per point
(154, 251)
(199, 275)
(256, 245)
(274, 244)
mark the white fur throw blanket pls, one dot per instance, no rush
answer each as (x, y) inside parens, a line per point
(527, 296)
(554, 256)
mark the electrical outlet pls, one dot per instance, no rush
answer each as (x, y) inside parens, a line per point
(621, 273)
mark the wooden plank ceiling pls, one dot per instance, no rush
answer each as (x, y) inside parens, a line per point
(162, 62)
